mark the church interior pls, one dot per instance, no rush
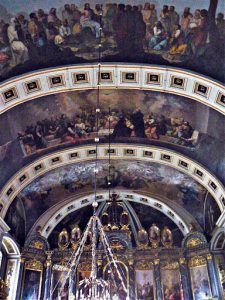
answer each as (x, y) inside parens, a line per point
(112, 150)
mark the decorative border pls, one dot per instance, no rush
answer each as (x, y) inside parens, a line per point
(56, 81)
(202, 89)
(32, 86)
(162, 80)
(178, 82)
(84, 153)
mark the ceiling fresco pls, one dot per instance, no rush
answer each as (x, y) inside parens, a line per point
(48, 34)
(55, 186)
(64, 120)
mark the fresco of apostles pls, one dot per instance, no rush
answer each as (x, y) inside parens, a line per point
(149, 33)
(64, 120)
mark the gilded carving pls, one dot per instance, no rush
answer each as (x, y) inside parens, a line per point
(75, 236)
(116, 245)
(37, 244)
(166, 237)
(156, 261)
(34, 265)
(3, 289)
(84, 266)
(142, 239)
(63, 239)
(124, 221)
(171, 266)
(209, 257)
(143, 265)
(194, 242)
(182, 261)
(197, 261)
(154, 236)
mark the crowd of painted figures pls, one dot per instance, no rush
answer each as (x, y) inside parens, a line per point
(80, 127)
(143, 28)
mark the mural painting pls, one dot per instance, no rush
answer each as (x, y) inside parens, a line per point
(57, 282)
(117, 288)
(145, 284)
(32, 285)
(153, 178)
(200, 283)
(16, 219)
(64, 120)
(34, 37)
(171, 283)
(211, 214)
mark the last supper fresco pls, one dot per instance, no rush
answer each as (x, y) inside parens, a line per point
(64, 120)
(188, 34)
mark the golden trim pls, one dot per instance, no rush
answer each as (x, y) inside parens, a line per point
(197, 261)
(33, 265)
(182, 261)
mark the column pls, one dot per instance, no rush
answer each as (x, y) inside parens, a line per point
(214, 280)
(72, 284)
(159, 295)
(185, 279)
(48, 273)
(131, 278)
(20, 278)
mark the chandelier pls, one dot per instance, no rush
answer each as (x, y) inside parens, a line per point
(94, 287)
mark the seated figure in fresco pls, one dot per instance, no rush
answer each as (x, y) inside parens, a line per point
(151, 127)
(121, 129)
(137, 119)
(87, 20)
(177, 41)
(159, 39)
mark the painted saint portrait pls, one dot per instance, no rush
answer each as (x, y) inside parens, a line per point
(16, 219)
(145, 285)
(171, 284)
(32, 285)
(200, 283)
(118, 286)
(60, 289)
(211, 214)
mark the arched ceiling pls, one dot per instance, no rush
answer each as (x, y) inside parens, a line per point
(172, 91)
(145, 213)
